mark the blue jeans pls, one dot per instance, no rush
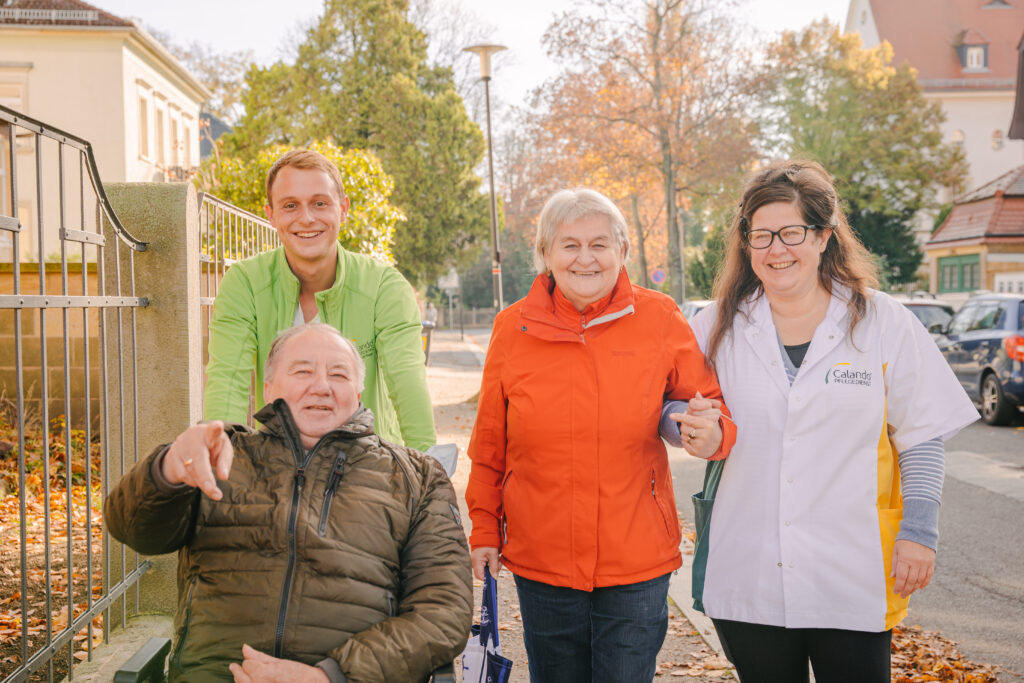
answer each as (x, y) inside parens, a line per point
(610, 635)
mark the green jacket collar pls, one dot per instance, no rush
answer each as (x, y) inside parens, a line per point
(290, 283)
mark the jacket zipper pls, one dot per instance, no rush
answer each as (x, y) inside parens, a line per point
(391, 604)
(176, 658)
(332, 487)
(293, 515)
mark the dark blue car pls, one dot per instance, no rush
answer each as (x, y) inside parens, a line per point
(984, 346)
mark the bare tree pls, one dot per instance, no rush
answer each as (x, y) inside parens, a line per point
(651, 89)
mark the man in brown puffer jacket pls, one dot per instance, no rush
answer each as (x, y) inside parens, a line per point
(322, 554)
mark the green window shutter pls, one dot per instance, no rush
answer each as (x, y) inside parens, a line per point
(960, 273)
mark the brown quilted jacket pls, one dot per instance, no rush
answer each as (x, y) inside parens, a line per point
(357, 555)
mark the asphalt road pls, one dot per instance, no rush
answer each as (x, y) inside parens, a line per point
(977, 595)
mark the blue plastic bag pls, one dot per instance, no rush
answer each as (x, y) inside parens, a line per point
(481, 660)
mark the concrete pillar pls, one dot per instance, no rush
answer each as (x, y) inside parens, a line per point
(168, 337)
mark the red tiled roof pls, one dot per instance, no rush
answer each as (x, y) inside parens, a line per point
(1010, 184)
(925, 33)
(56, 13)
(972, 37)
(993, 212)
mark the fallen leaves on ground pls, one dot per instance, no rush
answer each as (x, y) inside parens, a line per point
(703, 665)
(919, 655)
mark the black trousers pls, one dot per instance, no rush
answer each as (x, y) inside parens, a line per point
(774, 654)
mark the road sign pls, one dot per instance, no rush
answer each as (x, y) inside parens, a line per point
(657, 276)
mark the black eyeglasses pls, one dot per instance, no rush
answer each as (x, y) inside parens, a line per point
(790, 235)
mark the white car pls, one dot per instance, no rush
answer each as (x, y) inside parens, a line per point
(694, 306)
(929, 310)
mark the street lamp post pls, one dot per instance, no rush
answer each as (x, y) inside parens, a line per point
(484, 51)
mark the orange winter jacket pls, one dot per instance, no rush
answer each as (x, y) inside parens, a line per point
(570, 479)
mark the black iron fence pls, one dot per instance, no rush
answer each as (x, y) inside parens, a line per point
(68, 342)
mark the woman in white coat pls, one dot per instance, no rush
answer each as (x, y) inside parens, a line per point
(826, 515)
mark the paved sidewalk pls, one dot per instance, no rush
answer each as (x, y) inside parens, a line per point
(454, 372)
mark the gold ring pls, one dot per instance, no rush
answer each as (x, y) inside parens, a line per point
(692, 435)
(189, 461)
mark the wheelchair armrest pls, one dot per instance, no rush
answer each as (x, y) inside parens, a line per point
(146, 665)
(443, 674)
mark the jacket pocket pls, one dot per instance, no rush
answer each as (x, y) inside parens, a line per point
(325, 512)
(175, 662)
(658, 503)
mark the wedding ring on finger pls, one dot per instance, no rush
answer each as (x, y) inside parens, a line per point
(692, 435)
(188, 463)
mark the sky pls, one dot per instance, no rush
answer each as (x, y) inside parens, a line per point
(262, 26)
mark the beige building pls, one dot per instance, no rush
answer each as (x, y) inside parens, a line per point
(965, 55)
(980, 245)
(71, 65)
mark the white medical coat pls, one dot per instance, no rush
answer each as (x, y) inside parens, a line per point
(809, 505)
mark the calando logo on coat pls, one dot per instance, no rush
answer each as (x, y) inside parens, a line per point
(842, 373)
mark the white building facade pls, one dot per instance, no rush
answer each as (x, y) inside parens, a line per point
(101, 78)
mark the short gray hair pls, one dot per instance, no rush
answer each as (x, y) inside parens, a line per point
(285, 335)
(566, 206)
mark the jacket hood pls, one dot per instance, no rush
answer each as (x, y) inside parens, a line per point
(276, 418)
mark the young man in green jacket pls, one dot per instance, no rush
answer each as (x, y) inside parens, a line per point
(310, 278)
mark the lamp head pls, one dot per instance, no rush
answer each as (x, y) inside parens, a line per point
(484, 51)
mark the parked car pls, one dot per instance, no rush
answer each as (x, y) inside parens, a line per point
(984, 346)
(694, 306)
(929, 310)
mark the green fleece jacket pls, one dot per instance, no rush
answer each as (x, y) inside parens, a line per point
(370, 303)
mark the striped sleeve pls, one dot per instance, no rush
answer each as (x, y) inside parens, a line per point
(922, 468)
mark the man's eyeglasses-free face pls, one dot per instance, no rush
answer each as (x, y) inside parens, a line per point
(790, 235)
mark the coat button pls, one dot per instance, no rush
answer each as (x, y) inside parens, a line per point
(780, 564)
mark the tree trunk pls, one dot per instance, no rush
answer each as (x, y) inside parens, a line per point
(675, 266)
(645, 277)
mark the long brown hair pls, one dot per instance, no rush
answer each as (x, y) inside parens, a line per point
(807, 185)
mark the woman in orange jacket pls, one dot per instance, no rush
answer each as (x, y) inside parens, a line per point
(570, 485)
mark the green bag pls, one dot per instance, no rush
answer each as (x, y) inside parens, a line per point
(703, 501)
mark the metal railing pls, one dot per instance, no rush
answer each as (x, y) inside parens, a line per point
(66, 566)
(227, 234)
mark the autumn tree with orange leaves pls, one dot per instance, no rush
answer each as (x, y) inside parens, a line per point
(649, 108)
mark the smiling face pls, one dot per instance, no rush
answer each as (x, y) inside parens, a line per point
(316, 374)
(784, 270)
(584, 259)
(307, 213)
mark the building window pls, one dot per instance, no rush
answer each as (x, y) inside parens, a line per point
(997, 140)
(975, 57)
(160, 156)
(6, 204)
(957, 137)
(960, 273)
(144, 127)
(175, 152)
(10, 95)
(187, 156)
(863, 17)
